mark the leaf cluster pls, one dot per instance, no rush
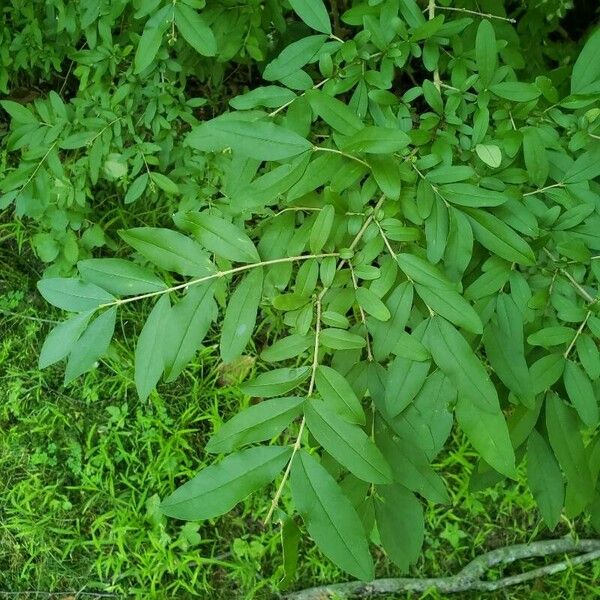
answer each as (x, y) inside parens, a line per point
(429, 248)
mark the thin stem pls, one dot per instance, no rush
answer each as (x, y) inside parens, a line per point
(336, 38)
(336, 151)
(386, 241)
(30, 318)
(570, 277)
(548, 187)
(284, 106)
(103, 130)
(577, 333)
(431, 13)
(475, 12)
(315, 364)
(37, 168)
(298, 209)
(218, 275)
(363, 317)
(311, 387)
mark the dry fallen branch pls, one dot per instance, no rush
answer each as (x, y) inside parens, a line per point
(470, 577)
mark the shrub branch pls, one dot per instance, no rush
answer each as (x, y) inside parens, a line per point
(470, 578)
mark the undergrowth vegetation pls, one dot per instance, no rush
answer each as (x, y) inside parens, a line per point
(84, 468)
(350, 249)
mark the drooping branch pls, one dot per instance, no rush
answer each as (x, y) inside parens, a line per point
(470, 577)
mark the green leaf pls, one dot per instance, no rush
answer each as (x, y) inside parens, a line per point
(219, 487)
(120, 277)
(450, 174)
(275, 382)
(256, 423)
(427, 421)
(565, 439)
(485, 53)
(400, 524)
(149, 360)
(421, 271)
(136, 189)
(186, 325)
(499, 238)
(329, 517)
(169, 250)
(490, 154)
(321, 229)
(340, 339)
(240, 316)
(194, 30)
(405, 379)
(585, 168)
(587, 350)
(371, 304)
(376, 140)
(452, 306)
(535, 157)
(151, 39)
(287, 347)
(385, 334)
(313, 13)
(411, 467)
(551, 336)
(219, 236)
(408, 346)
(269, 96)
(294, 57)
(334, 112)
(18, 112)
(386, 172)
(164, 183)
(290, 540)
(545, 479)
(504, 348)
(347, 443)
(257, 139)
(586, 70)
(581, 393)
(73, 294)
(92, 344)
(477, 410)
(515, 91)
(467, 194)
(436, 231)
(339, 395)
(61, 339)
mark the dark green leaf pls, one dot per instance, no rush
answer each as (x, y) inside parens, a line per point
(120, 277)
(275, 382)
(219, 487)
(329, 517)
(92, 344)
(72, 294)
(338, 395)
(240, 316)
(149, 359)
(347, 443)
(313, 13)
(400, 524)
(545, 479)
(169, 250)
(256, 423)
(194, 30)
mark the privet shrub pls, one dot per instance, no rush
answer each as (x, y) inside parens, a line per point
(407, 200)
